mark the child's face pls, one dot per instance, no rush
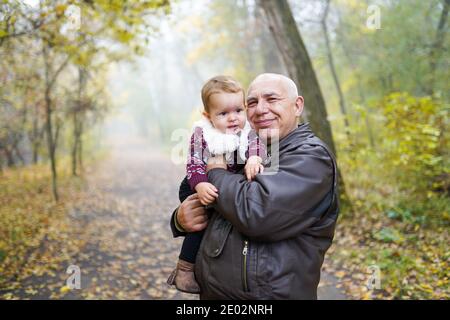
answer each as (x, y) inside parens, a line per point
(227, 112)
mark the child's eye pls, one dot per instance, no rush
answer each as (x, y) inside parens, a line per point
(222, 114)
(239, 110)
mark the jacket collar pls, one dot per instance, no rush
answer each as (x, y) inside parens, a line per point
(297, 136)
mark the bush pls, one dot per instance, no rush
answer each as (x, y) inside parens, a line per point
(400, 203)
(414, 141)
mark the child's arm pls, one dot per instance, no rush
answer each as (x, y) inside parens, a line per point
(253, 166)
(196, 169)
(207, 193)
(257, 153)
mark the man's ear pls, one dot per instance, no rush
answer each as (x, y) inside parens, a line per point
(299, 102)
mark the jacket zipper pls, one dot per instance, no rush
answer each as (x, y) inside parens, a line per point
(244, 269)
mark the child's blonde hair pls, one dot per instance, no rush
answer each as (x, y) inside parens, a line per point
(220, 84)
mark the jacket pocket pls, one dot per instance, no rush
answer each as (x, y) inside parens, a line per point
(218, 237)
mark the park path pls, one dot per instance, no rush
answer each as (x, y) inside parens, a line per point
(123, 223)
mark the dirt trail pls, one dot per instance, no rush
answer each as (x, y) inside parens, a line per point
(128, 250)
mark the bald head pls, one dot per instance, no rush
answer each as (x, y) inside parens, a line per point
(286, 83)
(273, 105)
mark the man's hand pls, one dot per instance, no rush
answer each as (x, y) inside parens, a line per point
(191, 214)
(216, 162)
(207, 193)
(252, 167)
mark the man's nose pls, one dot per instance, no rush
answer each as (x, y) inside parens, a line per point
(261, 107)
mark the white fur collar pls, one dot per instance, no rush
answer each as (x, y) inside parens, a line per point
(222, 143)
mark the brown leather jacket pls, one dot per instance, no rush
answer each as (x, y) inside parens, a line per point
(266, 239)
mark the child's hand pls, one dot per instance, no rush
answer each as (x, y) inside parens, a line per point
(207, 193)
(252, 167)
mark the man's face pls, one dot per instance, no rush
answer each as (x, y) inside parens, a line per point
(227, 112)
(271, 110)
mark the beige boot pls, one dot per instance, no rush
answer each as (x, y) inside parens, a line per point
(183, 277)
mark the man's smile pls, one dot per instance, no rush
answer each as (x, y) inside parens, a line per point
(264, 123)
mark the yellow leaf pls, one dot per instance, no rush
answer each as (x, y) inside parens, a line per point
(425, 287)
(64, 289)
(367, 296)
(340, 274)
(60, 9)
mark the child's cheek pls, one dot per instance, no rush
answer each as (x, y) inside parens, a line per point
(242, 119)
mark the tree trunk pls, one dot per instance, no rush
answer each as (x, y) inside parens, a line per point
(342, 103)
(35, 135)
(436, 49)
(51, 143)
(51, 147)
(75, 144)
(78, 116)
(1, 163)
(298, 65)
(271, 58)
(33, 139)
(35, 153)
(362, 96)
(18, 153)
(9, 157)
(77, 164)
(80, 148)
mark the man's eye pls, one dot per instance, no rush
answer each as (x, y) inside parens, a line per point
(251, 105)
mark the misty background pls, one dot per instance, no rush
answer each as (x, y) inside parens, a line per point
(96, 98)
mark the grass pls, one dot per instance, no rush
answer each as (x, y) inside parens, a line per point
(404, 234)
(30, 218)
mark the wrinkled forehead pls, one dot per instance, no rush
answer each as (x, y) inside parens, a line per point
(265, 87)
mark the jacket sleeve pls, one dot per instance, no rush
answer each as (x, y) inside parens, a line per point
(176, 229)
(195, 166)
(277, 206)
(184, 192)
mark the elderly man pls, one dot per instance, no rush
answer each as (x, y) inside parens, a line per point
(266, 239)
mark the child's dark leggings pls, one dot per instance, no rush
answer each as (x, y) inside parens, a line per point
(192, 241)
(190, 247)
